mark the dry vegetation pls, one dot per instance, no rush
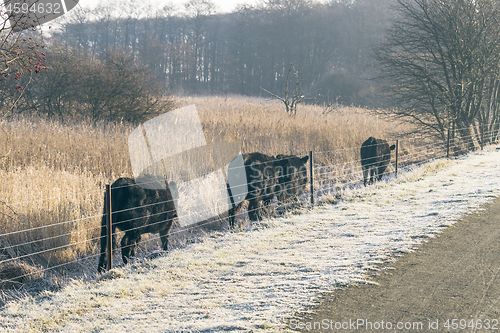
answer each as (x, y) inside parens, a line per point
(53, 173)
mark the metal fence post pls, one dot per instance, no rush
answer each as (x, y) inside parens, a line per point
(397, 150)
(482, 136)
(448, 145)
(311, 176)
(109, 230)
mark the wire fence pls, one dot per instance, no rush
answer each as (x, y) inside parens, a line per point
(312, 184)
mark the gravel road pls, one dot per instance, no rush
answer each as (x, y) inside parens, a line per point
(451, 283)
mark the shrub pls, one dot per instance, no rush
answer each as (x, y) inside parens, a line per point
(109, 87)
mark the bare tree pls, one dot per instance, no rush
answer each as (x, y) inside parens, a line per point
(199, 11)
(489, 115)
(291, 99)
(437, 60)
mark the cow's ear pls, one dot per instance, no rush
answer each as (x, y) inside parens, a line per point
(392, 147)
(304, 159)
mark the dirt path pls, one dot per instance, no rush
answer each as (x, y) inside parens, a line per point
(454, 276)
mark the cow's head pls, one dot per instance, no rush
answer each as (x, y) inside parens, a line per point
(292, 176)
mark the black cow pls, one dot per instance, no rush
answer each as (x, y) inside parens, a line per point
(262, 177)
(292, 176)
(267, 176)
(137, 211)
(375, 157)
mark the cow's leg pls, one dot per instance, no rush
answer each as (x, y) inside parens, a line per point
(129, 244)
(233, 212)
(267, 206)
(365, 175)
(253, 210)
(135, 242)
(164, 238)
(102, 259)
(125, 248)
(381, 171)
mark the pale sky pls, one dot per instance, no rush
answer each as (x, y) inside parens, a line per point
(223, 5)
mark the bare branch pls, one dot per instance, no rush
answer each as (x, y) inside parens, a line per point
(274, 95)
(437, 60)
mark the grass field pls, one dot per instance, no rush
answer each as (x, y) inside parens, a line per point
(53, 173)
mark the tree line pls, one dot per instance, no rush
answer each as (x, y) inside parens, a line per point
(195, 50)
(436, 63)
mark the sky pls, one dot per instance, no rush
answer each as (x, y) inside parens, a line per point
(223, 5)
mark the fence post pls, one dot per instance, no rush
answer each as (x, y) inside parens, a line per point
(482, 136)
(311, 176)
(397, 150)
(109, 230)
(448, 145)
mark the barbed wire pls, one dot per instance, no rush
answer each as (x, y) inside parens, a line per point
(99, 227)
(48, 225)
(158, 203)
(322, 172)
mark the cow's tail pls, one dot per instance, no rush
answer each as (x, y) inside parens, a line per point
(102, 259)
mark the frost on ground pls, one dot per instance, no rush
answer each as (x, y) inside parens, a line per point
(256, 280)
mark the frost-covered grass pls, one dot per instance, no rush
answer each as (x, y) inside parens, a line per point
(256, 280)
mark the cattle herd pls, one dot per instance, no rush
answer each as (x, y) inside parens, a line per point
(137, 210)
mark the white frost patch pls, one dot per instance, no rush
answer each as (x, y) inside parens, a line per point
(257, 279)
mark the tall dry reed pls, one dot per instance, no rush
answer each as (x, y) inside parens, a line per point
(53, 173)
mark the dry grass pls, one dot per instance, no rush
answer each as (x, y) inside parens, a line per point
(263, 126)
(14, 274)
(49, 209)
(72, 147)
(54, 172)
